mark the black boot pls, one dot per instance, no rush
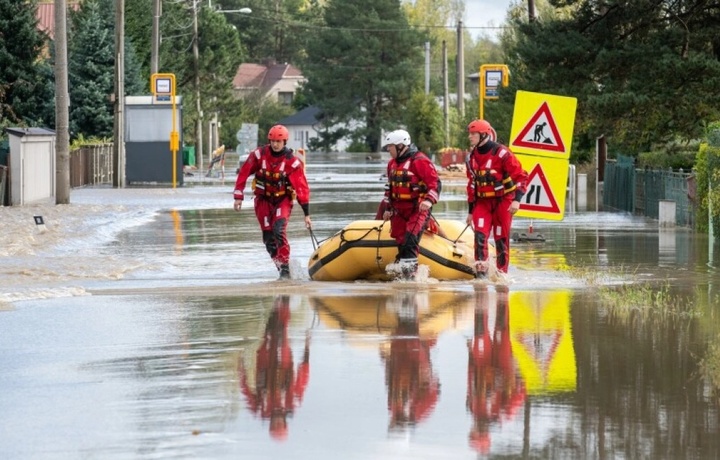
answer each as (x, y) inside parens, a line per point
(284, 272)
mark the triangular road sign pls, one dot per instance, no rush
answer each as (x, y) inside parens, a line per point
(541, 132)
(539, 195)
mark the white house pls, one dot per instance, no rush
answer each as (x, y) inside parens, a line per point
(306, 125)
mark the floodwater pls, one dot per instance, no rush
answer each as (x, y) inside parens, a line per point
(148, 323)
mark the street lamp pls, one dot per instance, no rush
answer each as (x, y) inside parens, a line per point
(241, 10)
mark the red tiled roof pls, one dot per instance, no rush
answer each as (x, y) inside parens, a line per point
(46, 16)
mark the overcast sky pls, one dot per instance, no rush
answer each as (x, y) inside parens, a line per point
(482, 13)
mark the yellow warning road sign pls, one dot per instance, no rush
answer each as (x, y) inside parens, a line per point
(546, 187)
(543, 124)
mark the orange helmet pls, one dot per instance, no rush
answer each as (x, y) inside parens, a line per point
(278, 133)
(482, 127)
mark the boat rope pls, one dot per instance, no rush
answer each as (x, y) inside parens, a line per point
(314, 240)
(461, 233)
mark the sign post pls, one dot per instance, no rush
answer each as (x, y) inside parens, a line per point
(163, 89)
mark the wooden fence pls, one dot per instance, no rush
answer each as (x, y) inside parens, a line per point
(91, 165)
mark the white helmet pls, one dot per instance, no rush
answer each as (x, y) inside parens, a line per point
(399, 136)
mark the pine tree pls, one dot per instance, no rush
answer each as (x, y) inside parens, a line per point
(91, 56)
(22, 87)
(363, 65)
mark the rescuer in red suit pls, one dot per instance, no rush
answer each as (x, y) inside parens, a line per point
(279, 388)
(495, 391)
(412, 387)
(411, 192)
(496, 184)
(279, 179)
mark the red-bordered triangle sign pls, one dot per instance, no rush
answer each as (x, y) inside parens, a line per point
(539, 196)
(544, 136)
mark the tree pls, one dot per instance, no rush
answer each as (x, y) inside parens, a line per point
(424, 121)
(91, 51)
(644, 71)
(275, 30)
(22, 86)
(365, 73)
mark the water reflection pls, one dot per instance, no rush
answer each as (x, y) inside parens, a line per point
(495, 390)
(412, 387)
(279, 385)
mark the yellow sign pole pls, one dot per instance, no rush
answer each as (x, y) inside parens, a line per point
(163, 88)
(490, 77)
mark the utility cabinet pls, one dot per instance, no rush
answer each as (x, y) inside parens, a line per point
(148, 123)
(31, 164)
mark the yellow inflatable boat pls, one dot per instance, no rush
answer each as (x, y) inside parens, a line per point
(364, 248)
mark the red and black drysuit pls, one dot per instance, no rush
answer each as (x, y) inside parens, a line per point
(279, 388)
(412, 178)
(495, 391)
(495, 179)
(279, 178)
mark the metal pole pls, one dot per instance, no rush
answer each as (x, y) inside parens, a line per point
(446, 94)
(155, 48)
(427, 67)
(461, 71)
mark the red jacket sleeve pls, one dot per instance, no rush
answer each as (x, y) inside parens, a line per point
(251, 165)
(427, 172)
(299, 182)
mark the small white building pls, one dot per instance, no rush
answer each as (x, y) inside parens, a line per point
(31, 165)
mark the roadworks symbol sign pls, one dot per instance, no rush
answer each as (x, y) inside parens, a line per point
(539, 195)
(541, 132)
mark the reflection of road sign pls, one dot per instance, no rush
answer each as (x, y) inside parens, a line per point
(546, 187)
(543, 124)
(542, 343)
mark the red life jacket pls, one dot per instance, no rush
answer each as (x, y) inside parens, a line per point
(271, 180)
(405, 185)
(490, 179)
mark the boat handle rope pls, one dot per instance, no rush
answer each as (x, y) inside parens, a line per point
(461, 233)
(314, 240)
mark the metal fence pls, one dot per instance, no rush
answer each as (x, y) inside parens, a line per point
(640, 191)
(91, 165)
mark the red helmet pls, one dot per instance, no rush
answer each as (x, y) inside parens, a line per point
(482, 127)
(278, 133)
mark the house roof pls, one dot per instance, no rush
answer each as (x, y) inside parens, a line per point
(307, 116)
(46, 15)
(251, 75)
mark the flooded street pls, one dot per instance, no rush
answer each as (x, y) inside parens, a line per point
(149, 324)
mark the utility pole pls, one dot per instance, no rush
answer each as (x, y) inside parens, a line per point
(198, 107)
(155, 48)
(446, 94)
(460, 72)
(531, 10)
(427, 67)
(119, 125)
(62, 104)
